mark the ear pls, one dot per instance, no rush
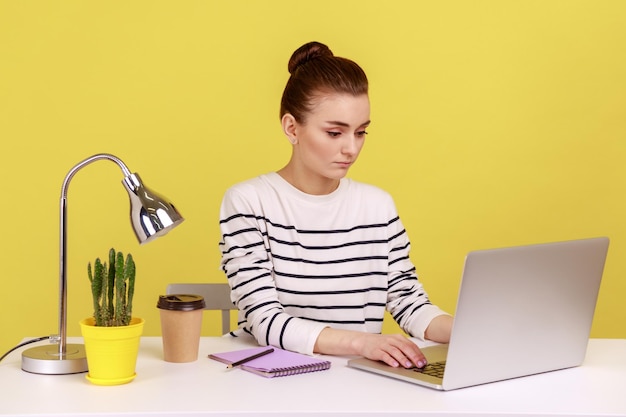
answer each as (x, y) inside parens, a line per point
(289, 127)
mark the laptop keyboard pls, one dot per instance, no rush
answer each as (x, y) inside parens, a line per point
(433, 369)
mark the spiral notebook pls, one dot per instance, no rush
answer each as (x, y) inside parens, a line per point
(278, 363)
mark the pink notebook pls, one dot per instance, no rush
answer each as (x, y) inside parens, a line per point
(278, 363)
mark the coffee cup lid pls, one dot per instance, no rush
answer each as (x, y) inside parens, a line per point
(181, 302)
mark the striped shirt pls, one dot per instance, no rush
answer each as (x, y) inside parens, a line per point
(298, 263)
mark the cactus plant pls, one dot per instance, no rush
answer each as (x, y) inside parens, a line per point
(112, 289)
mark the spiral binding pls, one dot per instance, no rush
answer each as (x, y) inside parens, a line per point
(294, 370)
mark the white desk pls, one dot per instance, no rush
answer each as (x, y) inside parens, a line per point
(206, 388)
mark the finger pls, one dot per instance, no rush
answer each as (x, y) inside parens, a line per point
(398, 357)
(389, 360)
(414, 356)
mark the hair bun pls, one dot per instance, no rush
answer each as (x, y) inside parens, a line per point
(306, 53)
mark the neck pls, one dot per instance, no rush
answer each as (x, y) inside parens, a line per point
(308, 184)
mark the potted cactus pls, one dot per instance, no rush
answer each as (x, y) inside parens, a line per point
(112, 332)
(112, 289)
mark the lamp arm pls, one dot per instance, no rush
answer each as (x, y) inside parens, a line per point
(63, 242)
(88, 161)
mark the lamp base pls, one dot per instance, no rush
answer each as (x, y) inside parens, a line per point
(47, 360)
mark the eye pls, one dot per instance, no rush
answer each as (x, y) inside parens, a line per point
(333, 134)
(361, 133)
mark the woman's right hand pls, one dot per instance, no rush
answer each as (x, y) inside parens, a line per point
(393, 349)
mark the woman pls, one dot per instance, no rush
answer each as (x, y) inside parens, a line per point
(313, 258)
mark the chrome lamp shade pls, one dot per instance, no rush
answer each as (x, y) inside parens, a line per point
(150, 213)
(152, 216)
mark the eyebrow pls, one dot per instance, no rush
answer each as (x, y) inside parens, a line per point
(344, 124)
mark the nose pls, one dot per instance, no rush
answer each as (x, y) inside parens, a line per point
(350, 145)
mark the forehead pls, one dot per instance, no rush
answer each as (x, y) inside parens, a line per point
(346, 108)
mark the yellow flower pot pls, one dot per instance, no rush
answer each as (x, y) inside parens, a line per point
(111, 351)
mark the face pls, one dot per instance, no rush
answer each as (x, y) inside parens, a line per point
(329, 141)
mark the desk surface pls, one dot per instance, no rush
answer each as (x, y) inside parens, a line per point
(206, 387)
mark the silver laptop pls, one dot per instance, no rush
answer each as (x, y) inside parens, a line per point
(521, 311)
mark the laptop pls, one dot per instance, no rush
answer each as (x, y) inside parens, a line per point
(521, 311)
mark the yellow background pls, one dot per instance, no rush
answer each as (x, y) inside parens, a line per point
(495, 123)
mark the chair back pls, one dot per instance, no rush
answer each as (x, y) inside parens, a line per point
(216, 296)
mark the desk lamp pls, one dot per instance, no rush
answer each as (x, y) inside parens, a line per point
(151, 216)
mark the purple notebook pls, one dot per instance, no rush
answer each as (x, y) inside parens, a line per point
(278, 363)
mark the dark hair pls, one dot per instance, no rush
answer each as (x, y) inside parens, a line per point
(316, 71)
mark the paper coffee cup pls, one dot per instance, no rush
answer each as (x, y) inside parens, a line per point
(181, 323)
